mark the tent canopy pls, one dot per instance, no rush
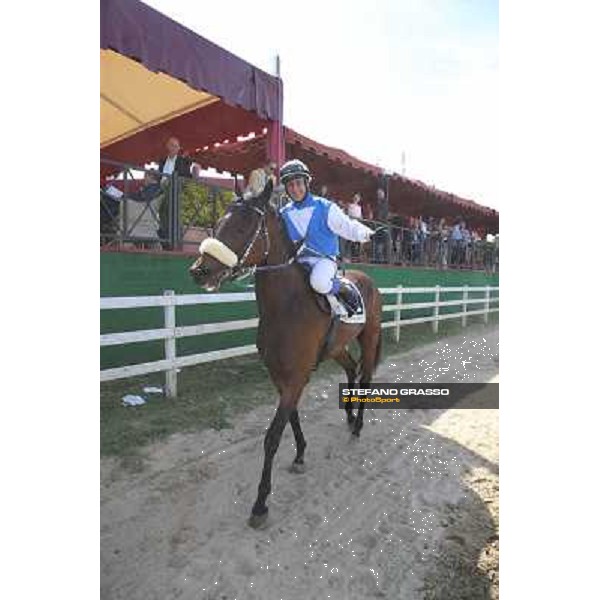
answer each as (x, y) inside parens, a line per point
(132, 98)
(158, 78)
(345, 175)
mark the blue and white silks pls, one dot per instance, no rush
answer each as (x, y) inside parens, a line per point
(319, 223)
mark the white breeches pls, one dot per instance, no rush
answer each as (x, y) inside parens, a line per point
(322, 274)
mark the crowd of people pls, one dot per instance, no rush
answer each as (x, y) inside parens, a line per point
(443, 243)
(423, 241)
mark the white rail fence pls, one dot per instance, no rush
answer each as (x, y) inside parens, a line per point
(170, 332)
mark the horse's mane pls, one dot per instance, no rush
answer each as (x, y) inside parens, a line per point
(290, 247)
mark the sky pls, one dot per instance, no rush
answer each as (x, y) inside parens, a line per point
(378, 78)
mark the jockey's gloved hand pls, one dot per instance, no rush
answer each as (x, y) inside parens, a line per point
(367, 235)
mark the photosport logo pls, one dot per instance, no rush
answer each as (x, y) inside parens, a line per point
(420, 395)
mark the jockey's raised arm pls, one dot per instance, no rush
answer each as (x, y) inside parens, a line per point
(346, 227)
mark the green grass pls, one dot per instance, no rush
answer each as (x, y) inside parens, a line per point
(208, 395)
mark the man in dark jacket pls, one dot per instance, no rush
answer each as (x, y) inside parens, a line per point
(382, 240)
(175, 163)
(182, 166)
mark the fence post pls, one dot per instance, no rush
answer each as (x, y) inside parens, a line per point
(170, 344)
(486, 314)
(436, 310)
(464, 306)
(398, 314)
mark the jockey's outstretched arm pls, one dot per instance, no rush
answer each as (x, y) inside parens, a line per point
(346, 227)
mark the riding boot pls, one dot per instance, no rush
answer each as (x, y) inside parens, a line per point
(349, 298)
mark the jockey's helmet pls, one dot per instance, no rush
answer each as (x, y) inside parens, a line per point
(293, 169)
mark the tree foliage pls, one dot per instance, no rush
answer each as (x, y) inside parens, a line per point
(202, 205)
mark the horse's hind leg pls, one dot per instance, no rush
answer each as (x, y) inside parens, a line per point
(344, 358)
(370, 343)
(298, 464)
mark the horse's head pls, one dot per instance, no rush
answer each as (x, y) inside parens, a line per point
(233, 246)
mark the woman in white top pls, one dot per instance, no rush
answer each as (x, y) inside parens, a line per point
(354, 208)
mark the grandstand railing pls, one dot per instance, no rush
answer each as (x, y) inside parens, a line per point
(158, 222)
(171, 332)
(166, 222)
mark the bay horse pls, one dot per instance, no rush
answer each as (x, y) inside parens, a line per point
(292, 323)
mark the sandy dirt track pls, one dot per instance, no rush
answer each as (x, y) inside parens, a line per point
(409, 511)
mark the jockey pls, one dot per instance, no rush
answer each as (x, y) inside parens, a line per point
(317, 222)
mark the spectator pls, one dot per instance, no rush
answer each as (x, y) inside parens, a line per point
(454, 243)
(423, 235)
(396, 223)
(488, 253)
(140, 212)
(174, 162)
(381, 206)
(382, 239)
(444, 234)
(467, 246)
(476, 249)
(415, 246)
(354, 208)
(355, 212)
(150, 190)
(406, 240)
(182, 166)
(258, 179)
(435, 242)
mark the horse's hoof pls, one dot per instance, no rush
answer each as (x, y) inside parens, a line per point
(355, 433)
(297, 467)
(258, 521)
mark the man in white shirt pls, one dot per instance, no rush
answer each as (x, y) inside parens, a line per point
(175, 163)
(183, 167)
(354, 208)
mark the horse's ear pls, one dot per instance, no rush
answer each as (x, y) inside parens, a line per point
(265, 195)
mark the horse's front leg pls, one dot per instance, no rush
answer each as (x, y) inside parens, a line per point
(272, 439)
(298, 464)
